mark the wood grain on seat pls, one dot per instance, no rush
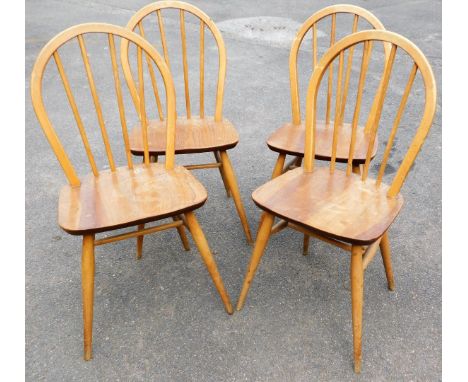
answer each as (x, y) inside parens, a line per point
(194, 135)
(128, 197)
(290, 138)
(336, 205)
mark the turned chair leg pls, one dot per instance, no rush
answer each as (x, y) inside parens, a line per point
(140, 241)
(278, 169)
(387, 260)
(357, 295)
(87, 282)
(153, 159)
(263, 235)
(204, 249)
(182, 235)
(223, 175)
(232, 183)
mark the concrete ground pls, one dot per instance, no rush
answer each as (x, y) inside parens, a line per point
(160, 318)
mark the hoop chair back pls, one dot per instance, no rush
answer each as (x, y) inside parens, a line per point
(78, 32)
(205, 23)
(311, 23)
(419, 64)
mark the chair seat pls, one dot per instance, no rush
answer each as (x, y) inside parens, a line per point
(335, 205)
(290, 139)
(128, 197)
(194, 135)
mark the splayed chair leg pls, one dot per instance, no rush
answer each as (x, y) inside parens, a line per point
(387, 260)
(204, 249)
(357, 296)
(87, 285)
(264, 232)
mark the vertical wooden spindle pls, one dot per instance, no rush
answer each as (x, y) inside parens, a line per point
(314, 44)
(349, 66)
(337, 125)
(76, 114)
(380, 101)
(184, 59)
(153, 77)
(357, 108)
(163, 37)
(118, 92)
(144, 121)
(202, 69)
(396, 123)
(330, 73)
(97, 104)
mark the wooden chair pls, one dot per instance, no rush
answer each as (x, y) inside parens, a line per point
(289, 138)
(120, 196)
(351, 211)
(195, 133)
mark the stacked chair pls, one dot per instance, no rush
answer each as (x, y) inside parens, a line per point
(341, 202)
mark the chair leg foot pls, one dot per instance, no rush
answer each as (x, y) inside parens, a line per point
(357, 296)
(204, 249)
(263, 235)
(232, 182)
(387, 260)
(87, 283)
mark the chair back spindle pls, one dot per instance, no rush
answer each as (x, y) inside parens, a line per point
(202, 69)
(357, 109)
(118, 92)
(153, 78)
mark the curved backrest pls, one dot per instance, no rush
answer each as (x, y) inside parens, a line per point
(51, 49)
(311, 23)
(419, 64)
(205, 21)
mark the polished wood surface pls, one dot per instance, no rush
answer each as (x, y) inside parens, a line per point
(289, 139)
(128, 197)
(339, 206)
(194, 135)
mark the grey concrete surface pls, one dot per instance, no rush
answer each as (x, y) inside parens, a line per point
(160, 318)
